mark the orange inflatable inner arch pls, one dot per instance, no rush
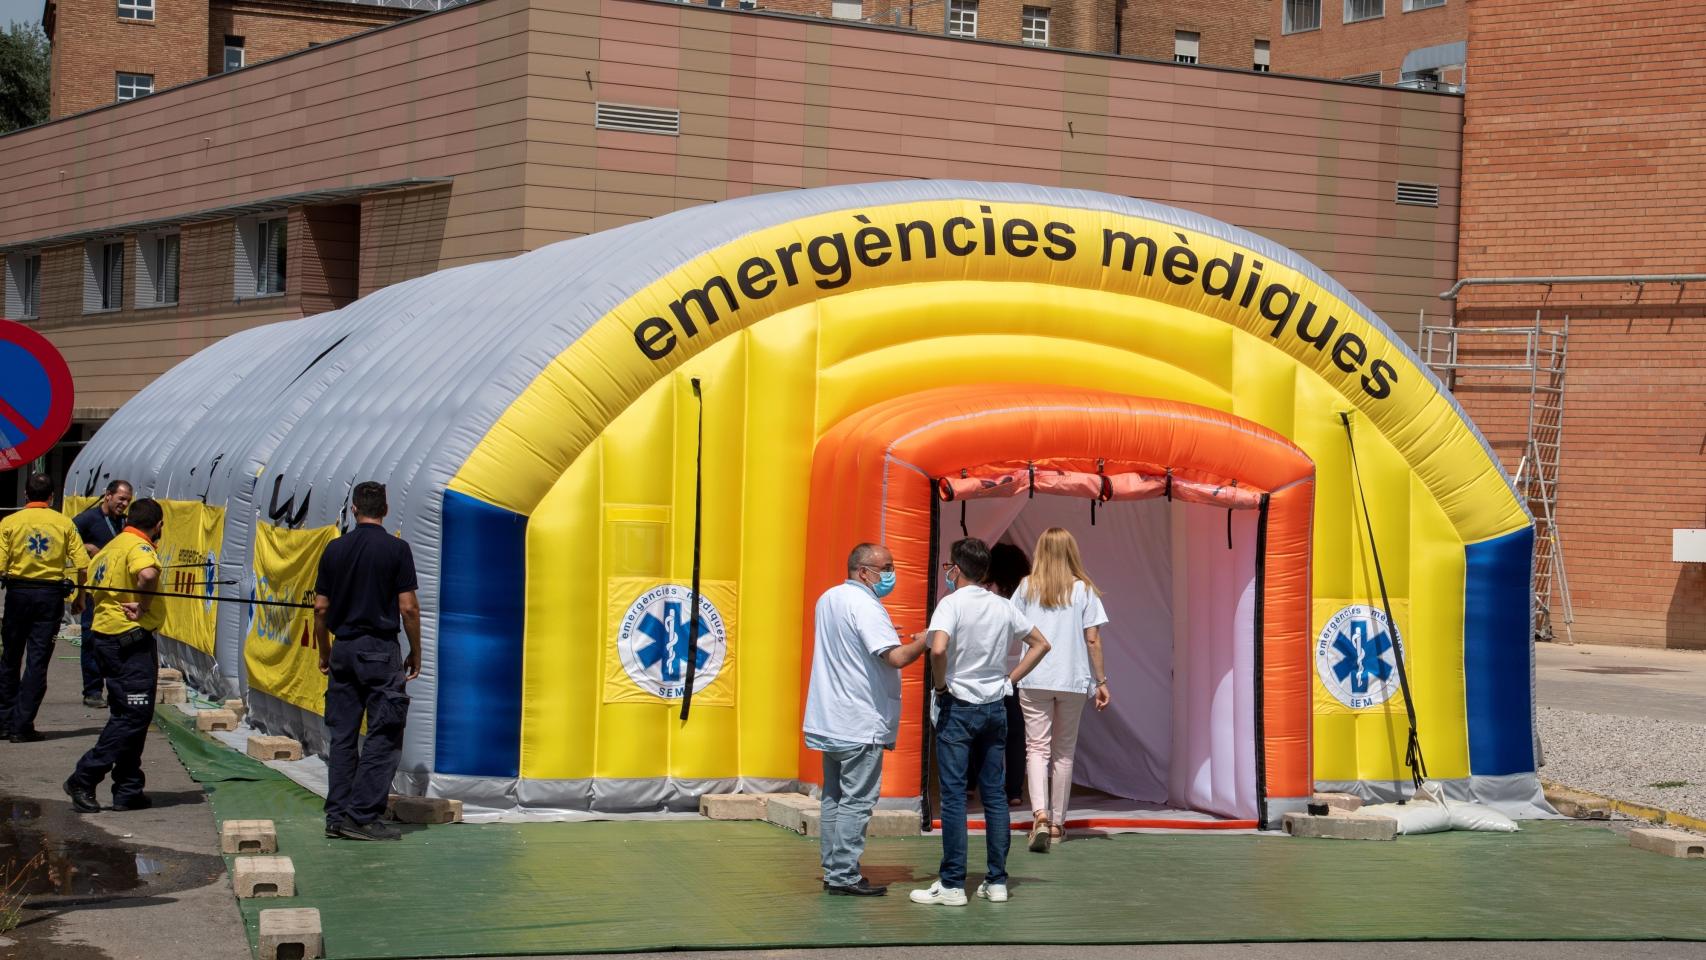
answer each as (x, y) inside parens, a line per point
(881, 474)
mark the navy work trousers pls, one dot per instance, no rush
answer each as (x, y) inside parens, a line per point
(31, 621)
(366, 680)
(131, 664)
(90, 663)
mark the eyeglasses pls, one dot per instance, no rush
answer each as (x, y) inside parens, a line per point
(872, 566)
(949, 565)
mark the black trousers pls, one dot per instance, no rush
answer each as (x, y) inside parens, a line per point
(30, 623)
(131, 664)
(366, 681)
(91, 668)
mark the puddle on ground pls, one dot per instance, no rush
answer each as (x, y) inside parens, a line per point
(35, 862)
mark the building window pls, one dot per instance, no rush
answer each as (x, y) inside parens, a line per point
(103, 276)
(261, 257)
(962, 18)
(233, 53)
(1302, 15)
(1364, 10)
(157, 270)
(133, 85)
(848, 10)
(1261, 62)
(136, 9)
(1185, 44)
(23, 286)
(1033, 26)
(1421, 4)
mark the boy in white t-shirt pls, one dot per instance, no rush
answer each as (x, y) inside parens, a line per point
(969, 635)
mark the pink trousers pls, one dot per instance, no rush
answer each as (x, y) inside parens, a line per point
(1051, 735)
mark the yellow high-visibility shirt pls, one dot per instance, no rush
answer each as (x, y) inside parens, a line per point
(116, 568)
(40, 543)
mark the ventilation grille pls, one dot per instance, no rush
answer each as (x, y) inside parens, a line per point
(1372, 79)
(1418, 194)
(616, 116)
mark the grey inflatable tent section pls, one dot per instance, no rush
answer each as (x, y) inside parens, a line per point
(402, 384)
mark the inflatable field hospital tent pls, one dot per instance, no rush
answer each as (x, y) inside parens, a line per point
(735, 395)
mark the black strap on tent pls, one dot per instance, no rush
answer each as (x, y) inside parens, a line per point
(698, 529)
(1101, 474)
(68, 588)
(1167, 491)
(1229, 528)
(1412, 752)
(1031, 468)
(963, 474)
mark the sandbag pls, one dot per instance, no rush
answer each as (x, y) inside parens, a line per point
(1474, 816)
(1413, 818)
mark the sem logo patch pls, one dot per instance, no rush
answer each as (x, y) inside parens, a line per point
(1356, 657)
(37, 544)
(652, 640)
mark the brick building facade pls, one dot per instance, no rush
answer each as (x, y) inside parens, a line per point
(1369, 40)
(1222, 34)
(108, 50)
(1577, 164)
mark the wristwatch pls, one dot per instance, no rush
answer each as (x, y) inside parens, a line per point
(1102, 682)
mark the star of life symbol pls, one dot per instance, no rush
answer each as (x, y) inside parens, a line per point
(653, 641)
(37, 544)
(1356, 657)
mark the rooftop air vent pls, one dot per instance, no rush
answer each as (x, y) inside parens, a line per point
(1369, 78)
(1418, 194)
(617, 116)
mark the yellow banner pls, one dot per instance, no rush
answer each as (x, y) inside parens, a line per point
(645, 660)
(279, 645)
(189, 549)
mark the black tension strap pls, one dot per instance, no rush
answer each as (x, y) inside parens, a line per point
(698, 530)
(69, 588)
(1413, 752)
(964, 473)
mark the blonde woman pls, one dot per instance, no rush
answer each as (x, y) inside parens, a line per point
(1064, 604)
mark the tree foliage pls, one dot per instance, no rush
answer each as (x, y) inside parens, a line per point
(24, 76)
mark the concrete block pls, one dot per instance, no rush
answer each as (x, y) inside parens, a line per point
(1348, 802)
(1671, 843)
(732, 806)
(424, 809)
(237, 707)
(248, 836)
(788, 811)
(290, 934)
(211, 720)
(1341, 826)
(171, 691)
(893, 823)
(263, 877)
(1578, 805)
(169, 675)
(274, 748)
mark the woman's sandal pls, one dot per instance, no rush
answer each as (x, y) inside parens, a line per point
(1039, 839)
(1057, 833)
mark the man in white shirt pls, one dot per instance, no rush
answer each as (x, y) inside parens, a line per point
(853, 709)
(969, 635)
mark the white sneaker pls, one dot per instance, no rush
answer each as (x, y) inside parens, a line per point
(993, 892)
(946, 896)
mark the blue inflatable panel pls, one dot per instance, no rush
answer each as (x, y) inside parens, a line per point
(1498, 648)
(479, 641)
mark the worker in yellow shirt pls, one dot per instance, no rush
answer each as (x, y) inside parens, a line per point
(127, 612)
(39, 546)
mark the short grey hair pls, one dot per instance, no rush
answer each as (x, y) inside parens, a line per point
(861, 556)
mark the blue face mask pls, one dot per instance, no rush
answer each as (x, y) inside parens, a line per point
(948, 579)
(885, 584)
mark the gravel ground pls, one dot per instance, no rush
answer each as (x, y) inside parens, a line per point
(1623, 757)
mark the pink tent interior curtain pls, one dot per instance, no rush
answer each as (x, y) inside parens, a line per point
(1097, 486)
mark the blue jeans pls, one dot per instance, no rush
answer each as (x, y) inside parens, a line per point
(965, 730)
(852, 778)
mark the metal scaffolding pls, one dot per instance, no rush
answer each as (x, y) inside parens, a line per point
(1534, 359)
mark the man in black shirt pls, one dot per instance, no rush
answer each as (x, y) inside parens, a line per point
(364, 590)
(97, 525)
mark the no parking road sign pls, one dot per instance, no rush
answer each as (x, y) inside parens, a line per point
(35, 395)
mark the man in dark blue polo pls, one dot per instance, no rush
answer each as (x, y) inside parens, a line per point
(98, 525)
(364, 591)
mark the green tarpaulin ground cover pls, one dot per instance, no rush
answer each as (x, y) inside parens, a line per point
(544, 888)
